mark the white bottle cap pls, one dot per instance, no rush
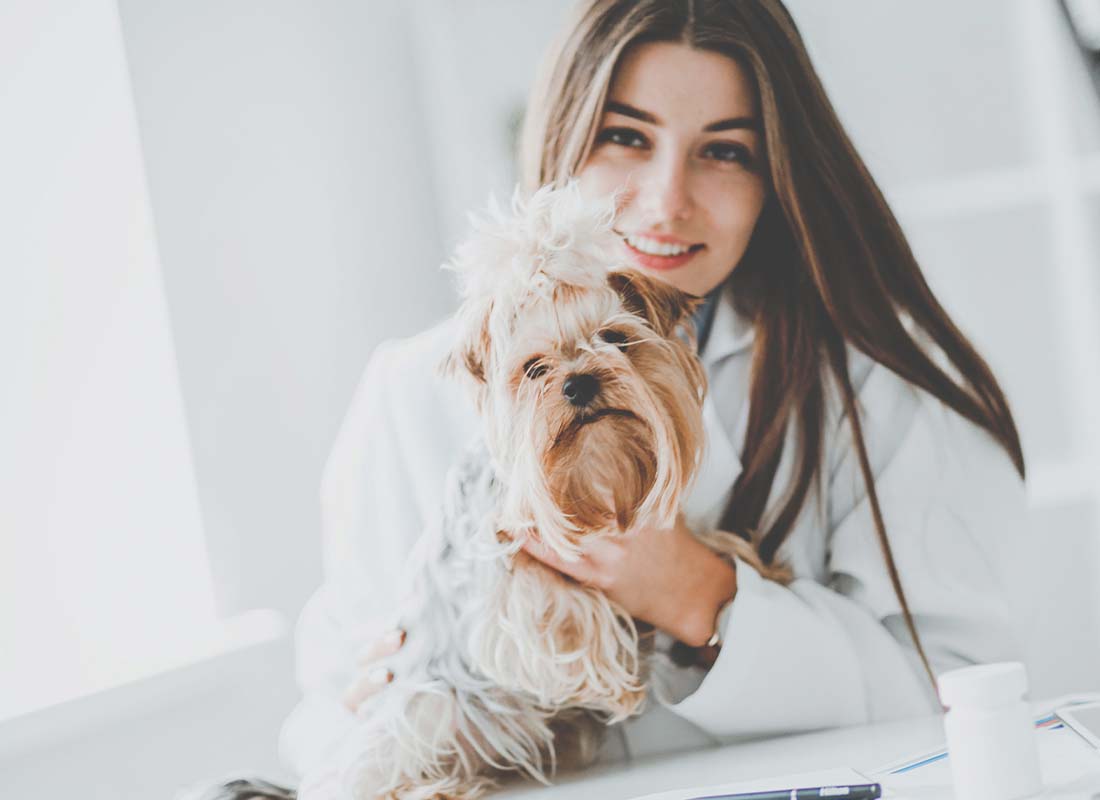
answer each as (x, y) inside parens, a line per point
(984, 685)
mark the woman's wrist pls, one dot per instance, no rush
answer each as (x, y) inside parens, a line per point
(713, 584)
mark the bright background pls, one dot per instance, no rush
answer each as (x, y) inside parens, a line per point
(214, 211)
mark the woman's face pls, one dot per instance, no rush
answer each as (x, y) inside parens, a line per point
(680, 135)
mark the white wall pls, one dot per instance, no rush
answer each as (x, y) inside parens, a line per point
(289, 168)
(310, 166)
(102, 561)
(476, 63)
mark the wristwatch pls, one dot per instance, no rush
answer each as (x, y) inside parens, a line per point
(705, 654)
(715, 639)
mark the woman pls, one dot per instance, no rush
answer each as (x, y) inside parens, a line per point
(856, 435)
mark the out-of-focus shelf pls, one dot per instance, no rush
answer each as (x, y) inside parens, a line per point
(991, 190)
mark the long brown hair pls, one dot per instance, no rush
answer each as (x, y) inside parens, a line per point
(827, 267)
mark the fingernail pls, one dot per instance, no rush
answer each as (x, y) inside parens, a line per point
(395, 638)
(379, 675)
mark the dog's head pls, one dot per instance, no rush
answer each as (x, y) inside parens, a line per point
(583, 370)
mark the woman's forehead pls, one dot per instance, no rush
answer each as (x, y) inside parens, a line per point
(673, 83)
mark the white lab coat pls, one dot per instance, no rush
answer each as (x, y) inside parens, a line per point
(829, 649)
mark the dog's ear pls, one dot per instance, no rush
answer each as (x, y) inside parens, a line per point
(469, 355)
(664, 307)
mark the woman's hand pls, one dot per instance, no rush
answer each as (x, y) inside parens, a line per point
(373, 676)
(323, 782)
(667, 578)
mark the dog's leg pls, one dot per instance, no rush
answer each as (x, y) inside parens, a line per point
(577, 737)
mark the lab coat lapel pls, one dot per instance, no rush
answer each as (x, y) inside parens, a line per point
(714, 481)
(720, 465)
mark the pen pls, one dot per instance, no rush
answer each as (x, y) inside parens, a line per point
(863, 791)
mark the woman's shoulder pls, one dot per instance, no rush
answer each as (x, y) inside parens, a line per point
(415, 356)
(895, 414)
(418, 399)
(879, 392)
(404, 418)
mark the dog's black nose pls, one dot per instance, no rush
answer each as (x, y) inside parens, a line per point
(580, 389)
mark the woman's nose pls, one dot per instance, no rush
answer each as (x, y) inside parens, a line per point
(665, 192)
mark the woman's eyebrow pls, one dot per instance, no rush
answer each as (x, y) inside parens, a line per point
(732, 123)
(631, 111)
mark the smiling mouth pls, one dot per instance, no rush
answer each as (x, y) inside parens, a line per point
(658, 249)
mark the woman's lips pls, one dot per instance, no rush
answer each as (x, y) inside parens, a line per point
(654, 262)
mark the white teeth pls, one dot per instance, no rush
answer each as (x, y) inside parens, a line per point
(656, 248)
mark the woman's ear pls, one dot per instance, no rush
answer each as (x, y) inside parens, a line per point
(664, 307)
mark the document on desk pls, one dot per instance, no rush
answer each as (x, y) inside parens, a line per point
(841, 776)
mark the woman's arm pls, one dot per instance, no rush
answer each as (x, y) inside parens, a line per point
(832, 648)
(667, 578)
(364, 490)
(382, 482)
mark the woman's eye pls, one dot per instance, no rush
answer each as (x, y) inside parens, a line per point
(534, 369)
(626, 137)
(732, 153)
(616, 338)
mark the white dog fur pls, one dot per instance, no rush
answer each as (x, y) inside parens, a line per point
(510, 668)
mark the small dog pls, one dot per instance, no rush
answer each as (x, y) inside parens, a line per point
(586, 378)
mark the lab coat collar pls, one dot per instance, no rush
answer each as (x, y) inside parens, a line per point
(730, 332)
(719, 467)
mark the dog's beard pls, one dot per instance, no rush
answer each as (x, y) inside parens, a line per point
(621, 461)
(601, 467)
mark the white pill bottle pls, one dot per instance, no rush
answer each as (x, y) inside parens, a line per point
(990, 732)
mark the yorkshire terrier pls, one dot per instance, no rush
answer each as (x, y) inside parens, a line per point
(586, 378)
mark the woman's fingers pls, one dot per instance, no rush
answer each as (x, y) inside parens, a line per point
(374, 678)
(366, 685)
(384, 646)
(543, 553)
(582, 570)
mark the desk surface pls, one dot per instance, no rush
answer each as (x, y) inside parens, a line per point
(863, 748)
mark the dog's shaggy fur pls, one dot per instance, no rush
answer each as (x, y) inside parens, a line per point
(592, 415)
(587, 382)
(591, 395)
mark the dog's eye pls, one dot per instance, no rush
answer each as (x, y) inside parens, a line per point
(614, 337)
(534, 369)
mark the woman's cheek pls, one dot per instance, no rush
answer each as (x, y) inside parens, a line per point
(600, 178)
(742, 208)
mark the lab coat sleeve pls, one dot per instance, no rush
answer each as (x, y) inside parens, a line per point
(380, 484)
(832, 649)
(364, 492)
